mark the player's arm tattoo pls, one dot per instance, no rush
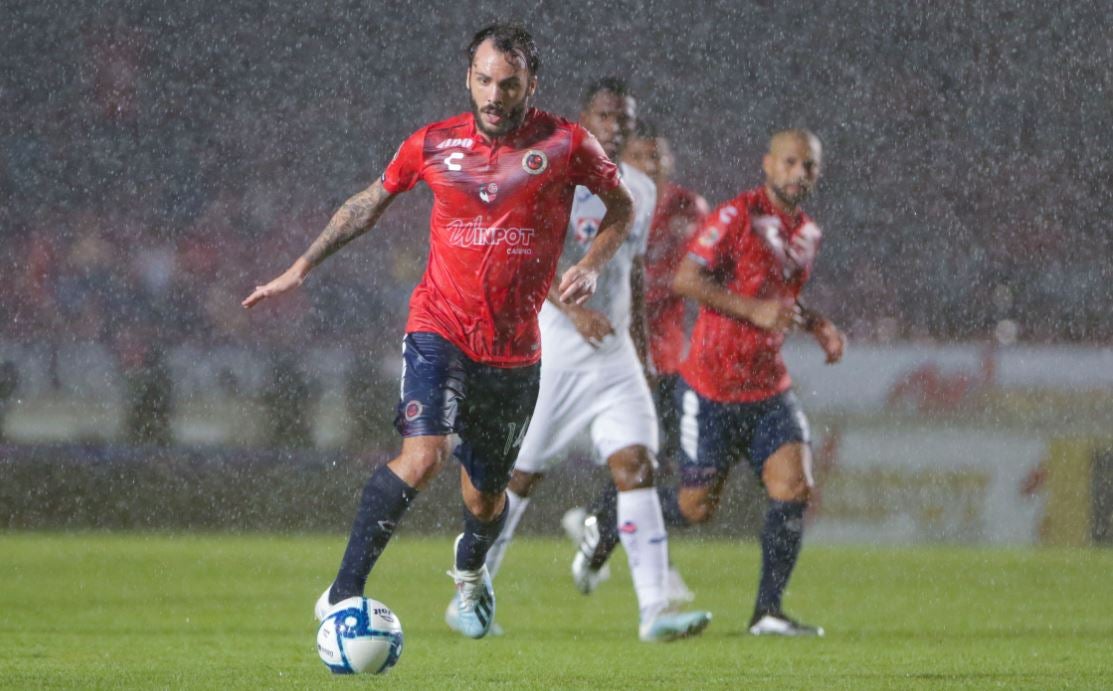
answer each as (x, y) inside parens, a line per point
(354, 218)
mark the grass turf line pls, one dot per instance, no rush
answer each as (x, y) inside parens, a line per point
(95, 610)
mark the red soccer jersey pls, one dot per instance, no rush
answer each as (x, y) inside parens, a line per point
(679, 213)
(759, 252)
(500, 212)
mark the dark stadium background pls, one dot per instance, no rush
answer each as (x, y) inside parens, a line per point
(158, 159)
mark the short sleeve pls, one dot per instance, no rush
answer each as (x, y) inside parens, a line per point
(404, 170)
(712, 243)
(589, 165)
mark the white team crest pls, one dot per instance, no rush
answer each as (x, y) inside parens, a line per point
(535, 162)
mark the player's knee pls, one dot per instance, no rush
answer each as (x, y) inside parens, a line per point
(631, 468)
(697, 510)
(422, 465)
(485, 507)
(522, 483)
(795, 489)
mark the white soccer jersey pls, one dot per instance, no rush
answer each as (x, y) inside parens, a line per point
(562, 347)
(598, 391)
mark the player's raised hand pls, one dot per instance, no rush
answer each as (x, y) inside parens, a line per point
(577, 285)
(831, 340)
(288, 280)
(593, 325)
(773, 315)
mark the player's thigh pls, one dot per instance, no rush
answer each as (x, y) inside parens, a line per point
(434, 378)
(787, 474)
(564, 410)
(710, 441)
(780, 448)
(624, 414)
(494, 415)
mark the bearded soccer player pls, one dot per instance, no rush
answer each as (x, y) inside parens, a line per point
(746, 267)
(592, 380)
(503, 178)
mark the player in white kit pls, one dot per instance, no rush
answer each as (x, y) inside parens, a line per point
(592, 380)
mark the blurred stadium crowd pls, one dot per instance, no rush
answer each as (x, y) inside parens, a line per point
(160, 160)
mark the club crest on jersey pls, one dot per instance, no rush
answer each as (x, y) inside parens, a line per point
(412, 410)
(488, 192)
(535, 162)
(629, 528)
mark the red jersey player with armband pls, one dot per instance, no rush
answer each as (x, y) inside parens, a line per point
(746, 267)
(503, 178)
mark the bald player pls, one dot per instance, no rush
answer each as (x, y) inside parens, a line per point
(745, 267)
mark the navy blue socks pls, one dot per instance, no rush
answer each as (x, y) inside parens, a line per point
(780, 545)
(385, 499)
(478, 537)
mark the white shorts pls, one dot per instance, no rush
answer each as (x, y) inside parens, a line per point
(612, 403)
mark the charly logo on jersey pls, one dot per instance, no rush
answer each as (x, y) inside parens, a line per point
(535, 162)
(710, 236)
(488, 192)
(585, 229)
(798, 253)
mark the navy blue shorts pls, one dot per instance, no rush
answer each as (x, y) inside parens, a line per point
(446, 392)
(714, 436)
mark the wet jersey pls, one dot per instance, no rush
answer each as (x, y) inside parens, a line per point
(679, 213)
(756, 251)
(500, 212)
(564, 347)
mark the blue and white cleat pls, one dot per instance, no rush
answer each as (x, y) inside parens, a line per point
(472, 610)
(670, 626)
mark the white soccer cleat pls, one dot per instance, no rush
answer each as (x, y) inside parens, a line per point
(780, 624)
(676, 590)
(323, 607)
(584, 577)
(670, 626)
(472, 611)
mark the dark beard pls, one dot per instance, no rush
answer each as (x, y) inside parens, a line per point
(511, 120)
(789, 200)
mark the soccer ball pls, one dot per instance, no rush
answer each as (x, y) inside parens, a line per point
(360, 635)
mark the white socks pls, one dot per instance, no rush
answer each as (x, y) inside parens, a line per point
(641, 527)
(515, 507)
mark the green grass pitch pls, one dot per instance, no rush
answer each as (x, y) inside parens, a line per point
(94, 610)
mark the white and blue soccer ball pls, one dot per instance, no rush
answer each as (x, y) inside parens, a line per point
(359, 635)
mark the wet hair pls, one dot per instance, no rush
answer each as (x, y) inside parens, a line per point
(644, 129)
(509, 39)
(614, 85)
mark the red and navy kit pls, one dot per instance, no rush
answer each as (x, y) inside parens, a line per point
(678, 215)
(757, 251)
(500, 213)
